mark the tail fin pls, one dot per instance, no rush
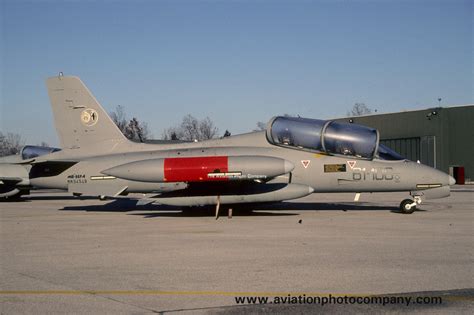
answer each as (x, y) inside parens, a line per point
(80, 120)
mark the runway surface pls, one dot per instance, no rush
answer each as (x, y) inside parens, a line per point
(60, 254)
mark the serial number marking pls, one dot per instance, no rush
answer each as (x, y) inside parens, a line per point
(375, 174)
(76, 179)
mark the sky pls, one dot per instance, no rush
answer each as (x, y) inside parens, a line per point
(237, 62)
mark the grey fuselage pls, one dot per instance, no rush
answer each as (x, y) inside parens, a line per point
(322, 172)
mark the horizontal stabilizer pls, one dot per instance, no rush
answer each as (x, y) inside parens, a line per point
(108, 190)
(145, 201)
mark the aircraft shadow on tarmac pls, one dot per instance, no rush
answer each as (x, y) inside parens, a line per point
(169, 211)
(322, 206)
(124, 205)
(66, 197)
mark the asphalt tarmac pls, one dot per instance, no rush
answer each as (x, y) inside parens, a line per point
(61, 255)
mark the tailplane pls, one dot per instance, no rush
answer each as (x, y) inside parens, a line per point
(80, 120)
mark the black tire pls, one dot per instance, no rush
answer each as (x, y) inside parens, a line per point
(404, 206)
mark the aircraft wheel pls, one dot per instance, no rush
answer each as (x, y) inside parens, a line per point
(405, 206)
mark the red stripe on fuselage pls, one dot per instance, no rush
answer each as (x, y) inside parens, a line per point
(194, 169)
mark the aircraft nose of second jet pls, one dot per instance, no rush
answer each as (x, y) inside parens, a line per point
(452, 181)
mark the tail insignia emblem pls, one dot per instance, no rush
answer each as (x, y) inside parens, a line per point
(89, 117)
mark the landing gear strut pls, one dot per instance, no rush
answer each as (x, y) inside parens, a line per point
(408, 206)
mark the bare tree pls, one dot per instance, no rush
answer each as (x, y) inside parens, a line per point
(192, 129)
(359, 109)
(10, 143)
(207, 129)
(119, 118)
(133, 129)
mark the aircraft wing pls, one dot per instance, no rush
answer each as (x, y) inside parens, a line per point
(10, 180)
(12, 174)
(54, 161)
(96, 189)
(13, 179)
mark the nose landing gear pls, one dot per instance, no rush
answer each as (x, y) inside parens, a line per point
(408, 206)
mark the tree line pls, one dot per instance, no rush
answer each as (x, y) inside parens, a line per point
(10, 143)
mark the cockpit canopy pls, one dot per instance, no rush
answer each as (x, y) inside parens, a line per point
(32, 151)
(332, 137)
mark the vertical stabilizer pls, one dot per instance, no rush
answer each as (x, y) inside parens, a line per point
(80, 120)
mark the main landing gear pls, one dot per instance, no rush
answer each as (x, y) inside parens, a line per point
(408, 206)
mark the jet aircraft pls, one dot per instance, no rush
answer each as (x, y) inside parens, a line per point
(14, 171)
(292, 158)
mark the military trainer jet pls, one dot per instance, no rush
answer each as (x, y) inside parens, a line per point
(14, 171)
(292, 158)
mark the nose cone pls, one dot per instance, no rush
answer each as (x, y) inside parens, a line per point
(426, 176)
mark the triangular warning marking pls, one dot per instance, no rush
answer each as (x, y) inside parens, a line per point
(305, 163)
(351, 164)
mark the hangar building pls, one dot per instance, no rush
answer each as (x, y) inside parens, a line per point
(442, 137)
